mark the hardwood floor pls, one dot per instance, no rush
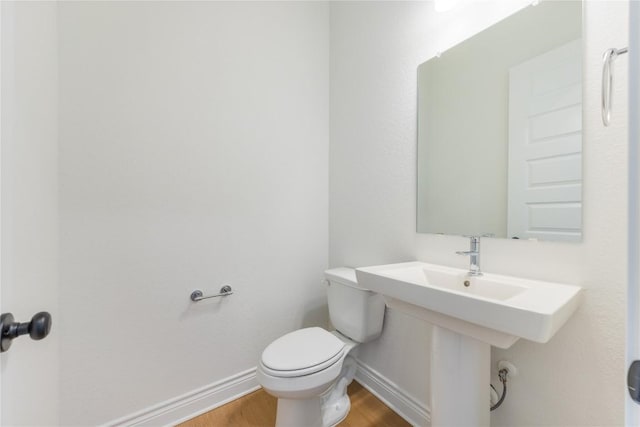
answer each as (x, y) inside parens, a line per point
(258, 409)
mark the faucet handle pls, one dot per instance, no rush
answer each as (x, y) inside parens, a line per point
(467, 253)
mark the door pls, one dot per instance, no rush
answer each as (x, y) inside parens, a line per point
(545, 146)
(632, 408)
(28, 214)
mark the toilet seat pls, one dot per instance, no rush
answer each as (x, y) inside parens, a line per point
(302, 352)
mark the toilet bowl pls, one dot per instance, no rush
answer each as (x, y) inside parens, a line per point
(308, 370)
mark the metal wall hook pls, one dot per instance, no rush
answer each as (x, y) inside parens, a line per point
(197, 295)
(608, 59)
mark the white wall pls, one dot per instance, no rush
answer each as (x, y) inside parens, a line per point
(375, 49)
(578, 377)
(193, 152)
(30, 208)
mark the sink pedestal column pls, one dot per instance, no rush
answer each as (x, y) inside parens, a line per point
(460, 378)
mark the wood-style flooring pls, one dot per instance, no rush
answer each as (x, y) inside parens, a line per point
(258, 409)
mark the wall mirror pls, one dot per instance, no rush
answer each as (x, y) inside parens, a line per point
(500, 130)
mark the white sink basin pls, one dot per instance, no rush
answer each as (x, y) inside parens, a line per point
(469, 314)
(492, 308)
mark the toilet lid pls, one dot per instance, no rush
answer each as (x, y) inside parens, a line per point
(302, 349)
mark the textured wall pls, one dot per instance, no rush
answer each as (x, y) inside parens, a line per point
(576, 378)
(193, 152)
(30, 207)
(375, 49)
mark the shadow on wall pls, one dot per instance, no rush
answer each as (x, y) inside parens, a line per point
(316, 315)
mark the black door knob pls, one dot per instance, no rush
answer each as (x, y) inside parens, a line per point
(37, 328)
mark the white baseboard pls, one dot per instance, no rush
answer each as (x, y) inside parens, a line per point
(197, 402)
(192, 404)
(405, 405)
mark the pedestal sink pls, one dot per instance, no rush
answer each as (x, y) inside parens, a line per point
(469, 314)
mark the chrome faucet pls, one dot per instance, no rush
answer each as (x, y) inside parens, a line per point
(474, 256)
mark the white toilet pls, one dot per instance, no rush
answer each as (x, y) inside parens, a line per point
(308, 370)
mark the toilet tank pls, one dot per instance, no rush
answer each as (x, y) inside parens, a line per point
(355, 312)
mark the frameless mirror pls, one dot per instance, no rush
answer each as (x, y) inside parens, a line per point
(500, 130)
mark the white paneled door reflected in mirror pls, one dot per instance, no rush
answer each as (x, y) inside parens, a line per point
(500, 130)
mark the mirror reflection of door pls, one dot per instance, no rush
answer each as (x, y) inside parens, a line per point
(470, 106)
(545, 146)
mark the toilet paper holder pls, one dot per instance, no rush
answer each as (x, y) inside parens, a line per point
(197, 295)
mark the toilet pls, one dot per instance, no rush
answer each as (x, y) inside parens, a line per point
(308, 370)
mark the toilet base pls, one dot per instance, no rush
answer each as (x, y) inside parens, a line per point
(315, 412)
(299, 412)
(337, 404)
(323, 411)
(336, 411)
